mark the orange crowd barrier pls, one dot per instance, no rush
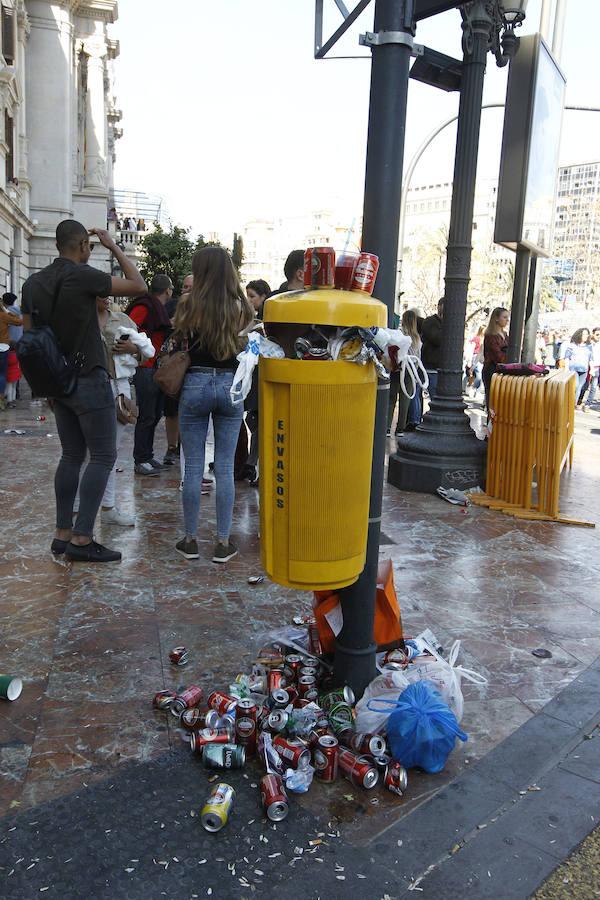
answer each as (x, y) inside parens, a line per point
(532, 426)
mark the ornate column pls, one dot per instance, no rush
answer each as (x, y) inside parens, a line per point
(94, 163)
(444, 450)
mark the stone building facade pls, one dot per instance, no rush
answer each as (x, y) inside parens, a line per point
(60, 126)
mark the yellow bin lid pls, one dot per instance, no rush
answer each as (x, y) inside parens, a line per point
(326, 306)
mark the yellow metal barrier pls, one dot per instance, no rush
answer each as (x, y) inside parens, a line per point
(532, 427)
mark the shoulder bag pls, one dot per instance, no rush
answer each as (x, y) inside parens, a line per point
(46, 369)
(172, 363)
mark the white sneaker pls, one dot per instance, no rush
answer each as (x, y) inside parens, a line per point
(114, 516)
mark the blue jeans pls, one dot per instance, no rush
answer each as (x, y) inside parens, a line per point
(206, 393)
(150, 400)
(593, 386)
(580, 380)
(85, 420)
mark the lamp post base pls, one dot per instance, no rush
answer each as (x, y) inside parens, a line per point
(442, 452)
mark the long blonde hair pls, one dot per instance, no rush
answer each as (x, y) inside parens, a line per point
(493, 327)
(409, 327)
(216, 309)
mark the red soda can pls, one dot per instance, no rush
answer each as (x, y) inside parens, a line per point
(275, 680)
(395, 779)
(245, 724)
(314, 641)
(325, 757)
(293, 752)
(345, 735)
(319, 267)
(358, 770)
(188, 698)
(365, 273)
(306, 683)
(269, 652)
(221, 702)
(193, 719)
(163, 700)
(367, 744)
(199, 739)
(178, 656)
(274, 797)
(278, 720)
(344, 271)
(294, 662)
(41, 418)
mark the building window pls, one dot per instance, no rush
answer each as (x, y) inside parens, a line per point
(9, 137)
(8, 35)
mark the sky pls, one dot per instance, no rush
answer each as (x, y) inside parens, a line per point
(228, 116)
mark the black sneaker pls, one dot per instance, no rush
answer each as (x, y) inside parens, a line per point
(188, 548)
(224, 552)
(92, 552)
(58, 547)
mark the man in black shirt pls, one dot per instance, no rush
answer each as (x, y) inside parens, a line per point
(63, 296)
(431, 351)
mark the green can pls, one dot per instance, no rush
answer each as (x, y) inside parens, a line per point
(340, 715)
(223, 756)
(337, 695)
(10, 687)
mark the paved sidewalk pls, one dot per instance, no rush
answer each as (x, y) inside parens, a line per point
(91, 644)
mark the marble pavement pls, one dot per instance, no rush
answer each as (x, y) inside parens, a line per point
(91, 642)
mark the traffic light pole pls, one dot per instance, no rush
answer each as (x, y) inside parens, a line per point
(391, 43)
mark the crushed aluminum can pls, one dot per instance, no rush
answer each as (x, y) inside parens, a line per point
(277, 720)
(163, 699)
(275, 679)
(179, 656)
(382, 762)
(193, 719)
(395, 779)
(340, 715)
(256, 579)
(217, 807)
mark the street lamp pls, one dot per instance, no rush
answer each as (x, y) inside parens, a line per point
(443, 450)
(504, 40)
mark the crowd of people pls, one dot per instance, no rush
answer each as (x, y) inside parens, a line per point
(119, 349)
(125, 223)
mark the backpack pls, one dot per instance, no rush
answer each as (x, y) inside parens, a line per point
(43, 363)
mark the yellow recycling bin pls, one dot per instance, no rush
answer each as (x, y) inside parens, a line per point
(316, 445)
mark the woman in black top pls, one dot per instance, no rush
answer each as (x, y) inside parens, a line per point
(211, 318)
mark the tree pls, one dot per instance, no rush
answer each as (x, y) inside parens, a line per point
(170, 253)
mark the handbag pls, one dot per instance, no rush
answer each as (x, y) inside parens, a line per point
(127, 411)
(170, 372)
(46, 369)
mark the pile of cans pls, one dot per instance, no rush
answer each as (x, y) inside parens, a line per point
(286, 714)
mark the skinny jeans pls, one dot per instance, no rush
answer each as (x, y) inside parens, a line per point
(206, 392)
(86, 420)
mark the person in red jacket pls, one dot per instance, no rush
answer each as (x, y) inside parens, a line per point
(149, 314)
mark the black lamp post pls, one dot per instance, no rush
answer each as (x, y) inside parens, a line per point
(443, 451)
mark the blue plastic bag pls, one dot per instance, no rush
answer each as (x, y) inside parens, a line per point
(422, 729)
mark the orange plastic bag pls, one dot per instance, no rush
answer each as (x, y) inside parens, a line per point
(387, 627)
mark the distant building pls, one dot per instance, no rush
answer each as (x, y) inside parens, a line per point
(267, 242)
(576, 254)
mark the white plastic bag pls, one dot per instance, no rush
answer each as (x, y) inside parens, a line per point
(258, 345)
(387, 686)
(445, 675)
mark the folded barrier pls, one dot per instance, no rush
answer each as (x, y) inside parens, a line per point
(531, 439)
